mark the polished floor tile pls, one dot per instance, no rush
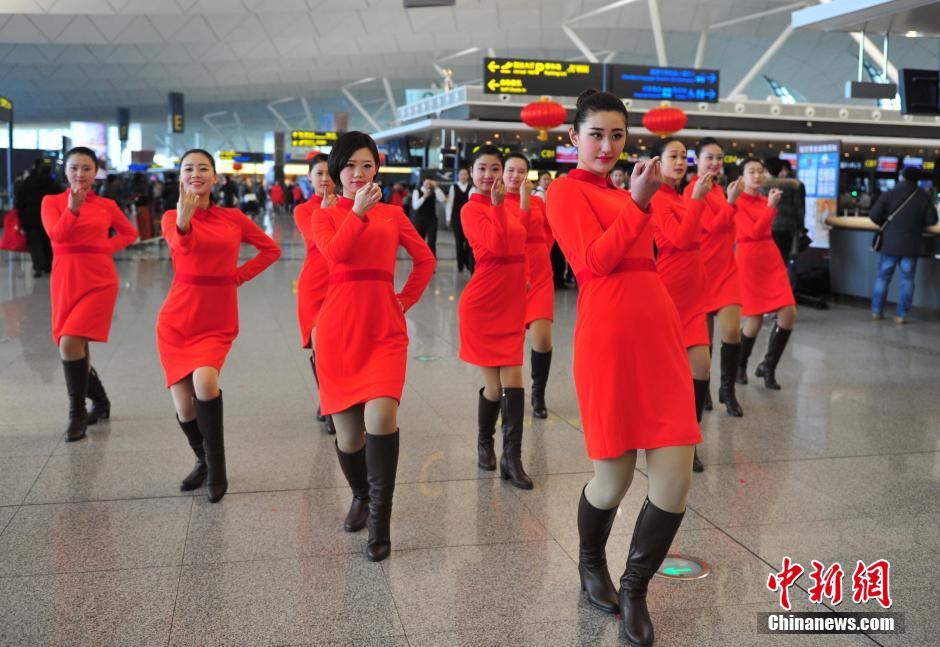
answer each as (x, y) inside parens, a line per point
(99, 547)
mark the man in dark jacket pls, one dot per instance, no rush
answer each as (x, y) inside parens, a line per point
(28, 201)
(788, 222)
(901, 239)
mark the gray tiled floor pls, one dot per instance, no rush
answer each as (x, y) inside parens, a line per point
(99, 547)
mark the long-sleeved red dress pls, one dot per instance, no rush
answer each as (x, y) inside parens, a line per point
(199, 318)
(84, 285)
(313, 278)
(362, 340)
(492, 306)
(540, 300)
(765, 285)
(631, 371)
(677, 232)
(722, 287)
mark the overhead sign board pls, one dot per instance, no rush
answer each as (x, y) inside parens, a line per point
(532, 76)
(663, 83)
(241, 156)
(6, 109)
(312, 138)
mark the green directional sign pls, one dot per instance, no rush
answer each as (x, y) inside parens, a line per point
(679, 567)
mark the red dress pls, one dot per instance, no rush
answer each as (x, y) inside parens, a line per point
(765, 285)
(84, 285)
(199, 318)
(492, 307)
(540, 300)
(312, 282)
(362, 340)
(677, 231)
(631, 371)
(721, 271)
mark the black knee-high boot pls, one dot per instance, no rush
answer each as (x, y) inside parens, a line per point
(209, 418)
(327, 421)
(730, 357)
(510, 465)
(487, 414)
(382, 466)
(354, 469)
(100, 404)
(541, 365)
(197, 476)
(700, 387)
(775, 347)
(76, 383)
(747, 345)
(708, 393)
(594, 527)
(655, 529)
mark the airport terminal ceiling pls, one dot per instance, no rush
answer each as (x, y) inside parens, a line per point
(80, 59)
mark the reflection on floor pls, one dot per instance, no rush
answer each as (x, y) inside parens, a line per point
(99, 547)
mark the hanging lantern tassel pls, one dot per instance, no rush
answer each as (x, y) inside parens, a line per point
(665, 120)
(543, 115)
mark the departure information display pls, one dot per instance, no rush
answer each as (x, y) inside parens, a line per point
(312, 138)
(818, 170)
(663, 83)
(528, 76)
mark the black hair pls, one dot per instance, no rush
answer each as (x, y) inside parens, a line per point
(911, 173)
(316, 159)
(750, 160)
(661, 145)
(544, 173)
(79, 150)
(518, 156)
(200, 151)
(345, 147)
(773, 165)
(785, 164)
(486, 149)
(707, 141)
(595, 101)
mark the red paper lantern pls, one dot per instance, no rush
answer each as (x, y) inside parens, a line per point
(237, 166)
(665, 120)
(543, 115)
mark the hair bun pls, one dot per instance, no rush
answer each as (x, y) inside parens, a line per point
(586, 95)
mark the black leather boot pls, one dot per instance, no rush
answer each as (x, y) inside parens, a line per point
(594, 527)
(100, 404)
(730, 357)
(541, 365)
(381, 465)
(76, 382)
(197, 476)
(510, 465)
(700, 387)
(775, 347)
(655, 529)
(709, 406)
(487, 413)
(325, 421)
(209, 417)
(747, 345)
(354, 469)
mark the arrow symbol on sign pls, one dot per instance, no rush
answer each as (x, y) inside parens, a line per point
(678, 571)
(712, 78)
(493, 85)
(492, 66)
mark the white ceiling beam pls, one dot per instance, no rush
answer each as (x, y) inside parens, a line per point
(358, 106)
(755, 16)
(761, 62)
(208, 119)
(276, 114)
(700, 50)
(600, 10)
(580, 44)
(657, 25)
(391, 100)
(463, 52)
(876, 54)
(241, 130)
(610, 56)
(310, 123)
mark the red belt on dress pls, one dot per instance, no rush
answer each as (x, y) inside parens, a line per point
(205, 279)
(742, 241)
(361, 275)
(666, 250)
(626, 265)
(501, 260)
(80, 249)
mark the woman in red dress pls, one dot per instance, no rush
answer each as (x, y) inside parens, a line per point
(492, 312)
(84, 285)
(312, 282)
(540, 300)
(677, 228)
(631, 370)
(765, 286)
(723, 291)
(362, 340)
(199, 319)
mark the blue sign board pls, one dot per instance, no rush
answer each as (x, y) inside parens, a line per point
(663, 83)
(818, 170)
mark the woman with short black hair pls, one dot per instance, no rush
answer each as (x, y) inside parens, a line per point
(84, 285)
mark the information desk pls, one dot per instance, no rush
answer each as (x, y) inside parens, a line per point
(853, 267)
